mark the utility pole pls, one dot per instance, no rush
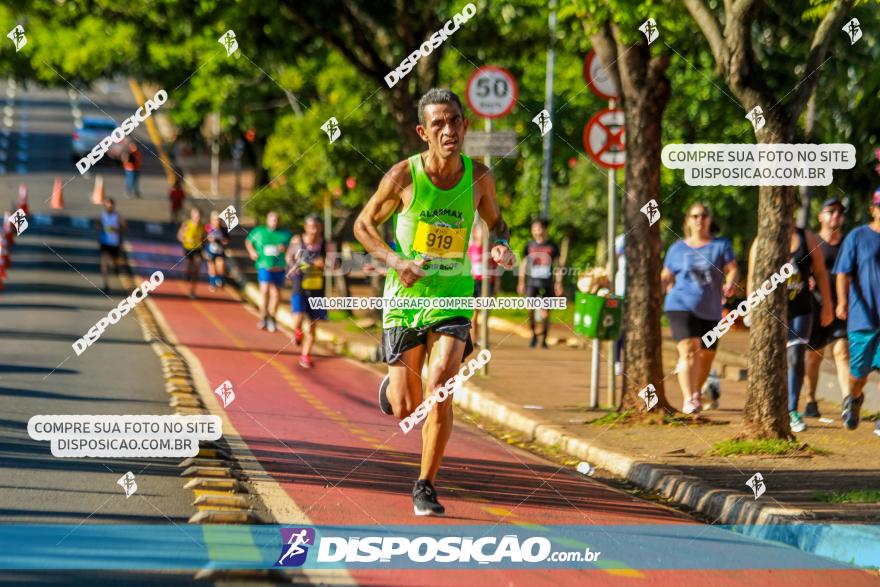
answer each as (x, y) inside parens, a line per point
(548, 106)
(215, 152)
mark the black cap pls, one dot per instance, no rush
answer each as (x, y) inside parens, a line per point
(833, 202)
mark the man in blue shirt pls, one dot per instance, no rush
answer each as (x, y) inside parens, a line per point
(858, 302)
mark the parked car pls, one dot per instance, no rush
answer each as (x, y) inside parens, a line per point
(90, 133)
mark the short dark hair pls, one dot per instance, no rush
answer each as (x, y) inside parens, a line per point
(542, 221)
(314, 218)
(438, 96)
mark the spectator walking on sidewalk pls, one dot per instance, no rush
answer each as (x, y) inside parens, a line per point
(830, 239)
(192, 235)
(697, 272)
(858, 302)
(537, 277)
(808, 264)
(132, 165)
(266, 246)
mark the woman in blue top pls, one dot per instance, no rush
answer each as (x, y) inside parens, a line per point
(697, 272)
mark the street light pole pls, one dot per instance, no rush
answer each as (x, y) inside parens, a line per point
(215, 153)
(548, 106)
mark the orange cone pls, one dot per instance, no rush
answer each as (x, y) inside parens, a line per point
(57, 195)
(98, 192)
(22, 198)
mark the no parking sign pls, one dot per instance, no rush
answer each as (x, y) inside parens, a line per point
(604, 138)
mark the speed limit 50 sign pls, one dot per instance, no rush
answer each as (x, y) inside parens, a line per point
(491, 91)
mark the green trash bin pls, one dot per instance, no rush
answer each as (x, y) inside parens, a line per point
(597, 317)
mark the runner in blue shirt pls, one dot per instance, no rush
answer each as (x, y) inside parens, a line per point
(858, 302)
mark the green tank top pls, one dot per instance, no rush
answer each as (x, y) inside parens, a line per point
(435, 226)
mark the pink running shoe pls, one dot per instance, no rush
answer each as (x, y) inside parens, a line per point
(306, 362)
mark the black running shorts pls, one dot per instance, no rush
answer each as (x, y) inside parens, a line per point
(399, 339)
(822, 336)
(686, 325)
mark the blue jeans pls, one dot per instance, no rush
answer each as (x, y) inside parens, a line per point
(131, 183)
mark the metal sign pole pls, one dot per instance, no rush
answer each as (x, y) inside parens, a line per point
(612, 266)
(594, 375)
(484, 291)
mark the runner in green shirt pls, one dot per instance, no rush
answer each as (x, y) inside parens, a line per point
(266, 246)
(433, 197)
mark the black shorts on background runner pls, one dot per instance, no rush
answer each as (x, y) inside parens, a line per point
(478, 289)
(112, 250)
(399, 339)
(540, 289)
(686, 325)
(822, 336)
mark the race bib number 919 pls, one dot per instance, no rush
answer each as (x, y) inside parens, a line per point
(440, 241)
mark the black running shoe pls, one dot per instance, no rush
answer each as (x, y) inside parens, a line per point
(425, 499)
(534, 342)
(851, 408)
(812, 410)
(384, 404)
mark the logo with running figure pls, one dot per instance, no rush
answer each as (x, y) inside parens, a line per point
(18, 38)
(294, 548)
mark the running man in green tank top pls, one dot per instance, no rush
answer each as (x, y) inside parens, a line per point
(432, 197)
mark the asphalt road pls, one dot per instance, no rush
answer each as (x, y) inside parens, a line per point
(51, 298)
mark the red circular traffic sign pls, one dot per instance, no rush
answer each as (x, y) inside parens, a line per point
(491, 91)
(604, 138)
(597, 77)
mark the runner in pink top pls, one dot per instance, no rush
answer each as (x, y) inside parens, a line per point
(475, 252)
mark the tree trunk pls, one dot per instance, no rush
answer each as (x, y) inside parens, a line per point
(404, 108)
(643, 348)
(766, 411)
(644, 93)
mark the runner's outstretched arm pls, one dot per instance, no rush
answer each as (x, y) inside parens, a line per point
(377, 211)
(491, 213)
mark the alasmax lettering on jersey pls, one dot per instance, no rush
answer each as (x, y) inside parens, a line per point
(114, 315)
(123, 130)
(426, 48)
(746, 306)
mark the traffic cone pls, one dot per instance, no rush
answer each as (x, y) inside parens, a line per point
(57, 195)
(22, 198)
(98, 192)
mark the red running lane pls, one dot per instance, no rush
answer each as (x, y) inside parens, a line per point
(319, 433)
